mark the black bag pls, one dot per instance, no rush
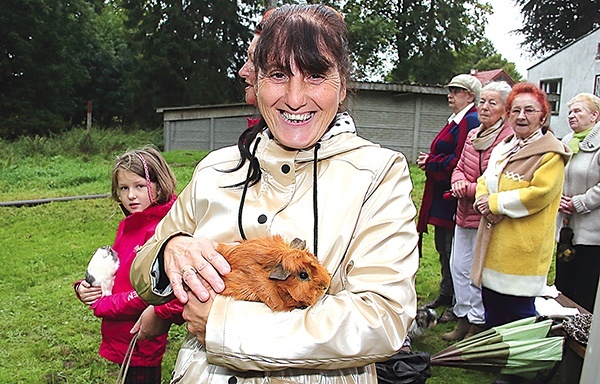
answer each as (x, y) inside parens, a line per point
(404, 368)
(565, 250)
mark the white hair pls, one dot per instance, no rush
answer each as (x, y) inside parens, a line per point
(501, 87)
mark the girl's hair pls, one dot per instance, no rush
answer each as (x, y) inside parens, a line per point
(502, 87)
(537, 93)
(591, 102)
(152, 166)
(312, 36)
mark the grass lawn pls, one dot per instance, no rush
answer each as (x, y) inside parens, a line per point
(47, 335)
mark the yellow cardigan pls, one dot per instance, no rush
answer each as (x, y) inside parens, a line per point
(513, 256)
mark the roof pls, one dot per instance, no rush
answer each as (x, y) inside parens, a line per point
(493, 75)
(565, 47)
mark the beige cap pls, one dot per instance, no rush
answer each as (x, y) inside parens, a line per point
(468, 82)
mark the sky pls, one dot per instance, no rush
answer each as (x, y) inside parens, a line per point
(506, 17)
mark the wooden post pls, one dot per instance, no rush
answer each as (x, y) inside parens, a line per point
(89, 116)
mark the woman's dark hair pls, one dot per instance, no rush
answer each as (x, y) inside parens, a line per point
(314, 37)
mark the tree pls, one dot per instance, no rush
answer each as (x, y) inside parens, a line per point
(484, 57)
(549, 25)
(188, 52)
(419, 37)
(42, 44)
(107, 63)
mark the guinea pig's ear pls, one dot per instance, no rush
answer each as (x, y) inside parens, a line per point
(298, 244)
(279, 273)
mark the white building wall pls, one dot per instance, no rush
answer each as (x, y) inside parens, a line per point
(577, 66)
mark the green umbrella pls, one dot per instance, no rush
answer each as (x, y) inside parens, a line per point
(522, 347)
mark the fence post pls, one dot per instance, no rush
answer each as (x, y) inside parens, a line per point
(417, 129)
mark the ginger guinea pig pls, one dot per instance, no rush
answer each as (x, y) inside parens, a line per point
(281, 275)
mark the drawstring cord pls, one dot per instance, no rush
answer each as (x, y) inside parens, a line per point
(315, 205)
(315, 200)
(240, 227)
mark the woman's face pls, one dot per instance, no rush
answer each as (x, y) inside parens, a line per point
(248, 73)
(458, 98)
(490, 108)
(581, 118)
(298, 108)
(525, 115)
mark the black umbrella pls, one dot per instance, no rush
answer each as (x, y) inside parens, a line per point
(404, 368)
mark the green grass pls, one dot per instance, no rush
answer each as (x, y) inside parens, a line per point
(47, 335)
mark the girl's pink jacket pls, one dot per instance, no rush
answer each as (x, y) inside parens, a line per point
(120, 311)
(470, 166)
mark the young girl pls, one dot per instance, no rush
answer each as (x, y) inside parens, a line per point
(144, 185)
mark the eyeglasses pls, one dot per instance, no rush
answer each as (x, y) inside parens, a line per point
(455, 90)
(527, 111)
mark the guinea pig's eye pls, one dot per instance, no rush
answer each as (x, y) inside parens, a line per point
(303, 275)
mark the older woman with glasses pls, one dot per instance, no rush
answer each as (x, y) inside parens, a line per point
(473, 161)
(463, 93)
(518, 196)
(580, 204)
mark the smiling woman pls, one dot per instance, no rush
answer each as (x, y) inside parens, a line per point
(518, 196)
(289, 175)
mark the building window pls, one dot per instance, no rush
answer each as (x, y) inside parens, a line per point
(552, 88)
(597, 86)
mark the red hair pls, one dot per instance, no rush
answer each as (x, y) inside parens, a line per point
(529, 88)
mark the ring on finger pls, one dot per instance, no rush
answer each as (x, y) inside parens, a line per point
(188, 270)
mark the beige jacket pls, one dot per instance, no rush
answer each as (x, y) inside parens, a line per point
(366, 239)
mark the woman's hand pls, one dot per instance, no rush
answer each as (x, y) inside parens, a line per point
(88, 294)
(494, 219)
(459, 189)
(566, 205)
(195, 313)
(422, 160)
(482, 205)
(195, 263)
(150, 325)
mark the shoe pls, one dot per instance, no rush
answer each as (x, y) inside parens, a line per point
(440, 301)
(459, 332)
(508, 379)
(447, 317)
(475, 329)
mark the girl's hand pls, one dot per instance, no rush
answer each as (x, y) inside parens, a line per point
(194, 263)
(88, 294)
(150, 325)
(195, 313)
